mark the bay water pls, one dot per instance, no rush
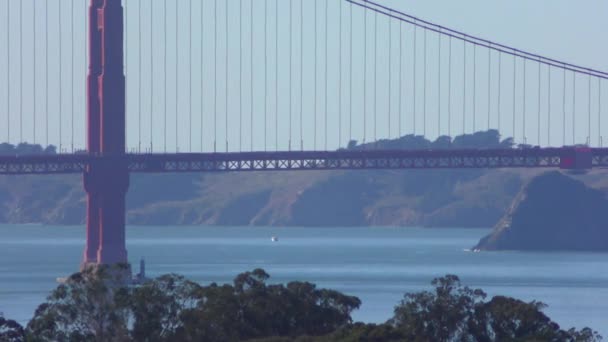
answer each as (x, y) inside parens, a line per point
(376, 264)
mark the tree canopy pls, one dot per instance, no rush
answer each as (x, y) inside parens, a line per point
(96, 306)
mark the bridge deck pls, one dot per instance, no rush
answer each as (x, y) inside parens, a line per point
(304, 160)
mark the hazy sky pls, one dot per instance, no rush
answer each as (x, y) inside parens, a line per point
(561, 29)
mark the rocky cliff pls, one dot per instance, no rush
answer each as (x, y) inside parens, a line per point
(553, 212)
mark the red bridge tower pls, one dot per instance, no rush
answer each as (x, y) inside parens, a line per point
(106, 181)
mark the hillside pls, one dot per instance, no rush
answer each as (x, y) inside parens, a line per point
(433, 198)
(553, 212)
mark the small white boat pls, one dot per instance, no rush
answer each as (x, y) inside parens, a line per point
(274, 239)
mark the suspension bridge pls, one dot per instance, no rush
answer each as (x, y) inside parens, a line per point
(268, 85)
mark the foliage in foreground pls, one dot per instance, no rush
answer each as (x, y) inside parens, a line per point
(91, 306)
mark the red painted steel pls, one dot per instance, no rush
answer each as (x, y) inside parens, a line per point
(106, 181)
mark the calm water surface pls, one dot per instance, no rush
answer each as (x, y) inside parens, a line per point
(376, 264)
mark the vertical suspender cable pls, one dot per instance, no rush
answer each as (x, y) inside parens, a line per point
(202, 61)
(474, 88)
(46, 71)
(326, 62)
(589, 120)
(599, 111)
(439, 85)
(72, 69)
(549, 106)
(165, 72)
(226, 75)
(8, 71)
(215, 77)
(524, 136)
(34, 67)
(573, 108)
(139, 75)
(276, 76)
(126, 63)
(364, 75)
(400, 95)
(499, 91)
(151, 76)
(340, 78)
(424, 89)
(375, 75)
(539, 103)
(60, 79)
(564, 109)
(176, 76)
(315, 80)
(514, 90)
(290, 67)
(20, 71)
(414, 73)
(450, 87)
(251, 76)
(350, 77)
(390, 78)
(489, 84)
(302, 73)
(86, 66)
(464, 88)
(240, 75)
(265, 69)
(189, 77)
